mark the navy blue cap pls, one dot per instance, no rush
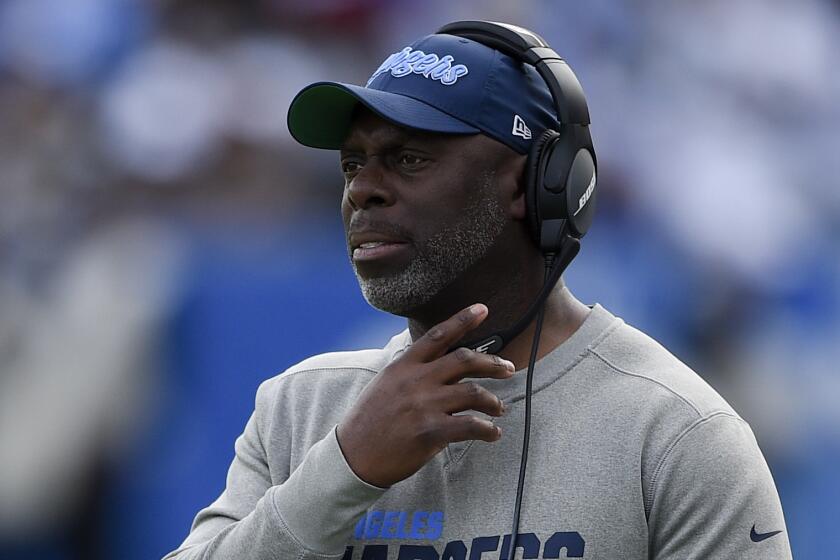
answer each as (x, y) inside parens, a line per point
(440, 83)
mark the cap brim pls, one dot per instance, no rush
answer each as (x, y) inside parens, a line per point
(321, 114)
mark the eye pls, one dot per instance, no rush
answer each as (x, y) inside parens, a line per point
(350, 167)
(411, 161)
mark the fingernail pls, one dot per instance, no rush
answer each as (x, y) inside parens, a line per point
(510, 366)
(477, 309)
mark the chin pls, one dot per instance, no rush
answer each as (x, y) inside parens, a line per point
(397, 294)
(388, 306)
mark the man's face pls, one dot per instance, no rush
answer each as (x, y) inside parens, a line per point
(418, 208)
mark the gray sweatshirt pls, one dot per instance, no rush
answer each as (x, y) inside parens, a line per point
(632, 456)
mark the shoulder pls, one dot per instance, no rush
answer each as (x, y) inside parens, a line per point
(681, 421)
(298, 407)
(332, 370)
(644, 364)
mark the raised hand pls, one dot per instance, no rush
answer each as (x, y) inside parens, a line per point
(405, 415)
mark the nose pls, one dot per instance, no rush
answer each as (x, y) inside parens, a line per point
(368, 187)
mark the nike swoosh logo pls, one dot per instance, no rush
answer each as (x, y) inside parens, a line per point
(758, 537)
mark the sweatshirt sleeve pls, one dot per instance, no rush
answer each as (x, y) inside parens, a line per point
(714, 497)
(310, 515)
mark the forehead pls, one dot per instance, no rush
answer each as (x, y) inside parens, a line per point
(369, 129)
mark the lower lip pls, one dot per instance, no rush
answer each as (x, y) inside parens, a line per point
(378, 252)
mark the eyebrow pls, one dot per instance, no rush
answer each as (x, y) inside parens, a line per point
(386, 141)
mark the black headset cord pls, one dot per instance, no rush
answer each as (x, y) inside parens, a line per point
(529, 378)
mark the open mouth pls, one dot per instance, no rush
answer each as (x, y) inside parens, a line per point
(378, 250)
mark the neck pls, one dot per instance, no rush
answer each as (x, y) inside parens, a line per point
(564, 314)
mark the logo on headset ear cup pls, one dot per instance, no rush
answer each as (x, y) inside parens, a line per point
(580, 192)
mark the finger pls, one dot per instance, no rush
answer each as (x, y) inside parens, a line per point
(469, 396)
(464, 362)
(467, 427)
(439, 338)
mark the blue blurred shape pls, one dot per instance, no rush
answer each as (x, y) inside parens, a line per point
(251, 308)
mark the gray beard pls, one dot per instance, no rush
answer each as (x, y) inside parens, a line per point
(442, 258)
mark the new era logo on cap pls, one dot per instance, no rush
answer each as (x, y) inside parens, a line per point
(520, 128)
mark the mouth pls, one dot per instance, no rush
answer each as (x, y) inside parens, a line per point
(378, 250)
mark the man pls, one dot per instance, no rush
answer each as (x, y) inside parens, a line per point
(412, 451)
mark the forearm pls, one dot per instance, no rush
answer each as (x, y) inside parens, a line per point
(311, 515)
(262, 534)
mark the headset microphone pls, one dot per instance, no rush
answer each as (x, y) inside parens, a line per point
(561, 174)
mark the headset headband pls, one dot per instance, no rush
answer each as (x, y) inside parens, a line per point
(527, 46)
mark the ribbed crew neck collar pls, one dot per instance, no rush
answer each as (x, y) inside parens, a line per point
(550, 367)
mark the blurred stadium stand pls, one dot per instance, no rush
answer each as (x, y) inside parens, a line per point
(165, 246)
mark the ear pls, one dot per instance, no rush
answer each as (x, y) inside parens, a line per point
(514, 176)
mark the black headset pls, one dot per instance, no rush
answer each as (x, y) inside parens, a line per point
(560, 189)
(561, 167)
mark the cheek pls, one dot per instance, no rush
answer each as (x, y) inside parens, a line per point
(346, 210)
(428, 220)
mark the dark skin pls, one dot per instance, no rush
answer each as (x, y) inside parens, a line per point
(423, 181)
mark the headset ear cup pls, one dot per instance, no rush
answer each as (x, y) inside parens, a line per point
(534, 169)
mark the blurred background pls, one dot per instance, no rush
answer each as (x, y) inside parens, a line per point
(165, 246)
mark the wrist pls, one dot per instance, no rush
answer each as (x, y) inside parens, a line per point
(356, 461)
